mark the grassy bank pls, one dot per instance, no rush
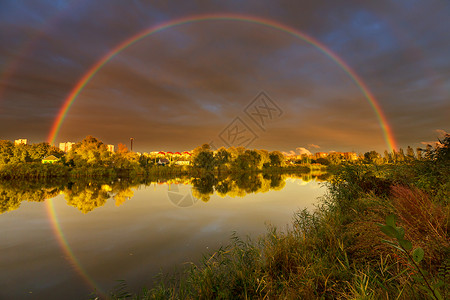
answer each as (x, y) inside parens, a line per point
(37, 170)
(339, 250)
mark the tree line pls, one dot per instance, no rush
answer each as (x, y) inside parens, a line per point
(91, 157)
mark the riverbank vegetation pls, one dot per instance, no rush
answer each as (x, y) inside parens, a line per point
(92, 158)
(381, 232)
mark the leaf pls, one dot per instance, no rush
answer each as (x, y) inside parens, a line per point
(405, 244)
(390, 220)
(394, 245)
(389, 231)
(400, 233)
(418, 254)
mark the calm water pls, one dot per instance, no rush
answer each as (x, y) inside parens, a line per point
(65, 240)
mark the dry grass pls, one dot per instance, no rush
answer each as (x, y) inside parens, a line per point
(425, 223)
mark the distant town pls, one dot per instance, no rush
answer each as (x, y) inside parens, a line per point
(184, 158)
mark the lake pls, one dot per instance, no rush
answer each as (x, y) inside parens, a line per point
(65, 240)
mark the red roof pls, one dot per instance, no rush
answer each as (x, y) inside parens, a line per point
(169, 152)
(177, 153)
(161, 152)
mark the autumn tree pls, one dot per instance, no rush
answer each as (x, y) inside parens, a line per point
(90, 151)
(122, 148)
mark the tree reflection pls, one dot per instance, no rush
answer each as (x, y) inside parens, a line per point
(84, 195)
(123, 196)
(203, 187)
(242, 184)
(87, 195)
(12, 193)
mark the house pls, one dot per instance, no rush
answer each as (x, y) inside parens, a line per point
(110, 148)
(182, 163)
(50, 159)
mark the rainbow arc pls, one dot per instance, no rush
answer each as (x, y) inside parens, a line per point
(81, 84)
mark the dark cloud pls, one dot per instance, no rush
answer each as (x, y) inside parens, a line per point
(182, 86)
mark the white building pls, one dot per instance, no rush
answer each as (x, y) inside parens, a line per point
(20, 142)
(66, 147)
(110, 148)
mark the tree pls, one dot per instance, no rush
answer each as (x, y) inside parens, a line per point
(20, 154)
(202, 148)
(323, 161)
(264, 158)
(387, 157)
(203, 158)
(90, 151)
(372, 157)
(6, 151)
(38, 151)
(86, 198)
(334, 158)
(247, 161)
(410, 153)
(441, 154)
(203, 187)
(222, 157)
(419, 153)
(254, 158)
(122, 148)
(276, 159)
(428, 151)
(401, 155)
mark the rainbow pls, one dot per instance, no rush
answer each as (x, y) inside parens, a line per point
(387, 131)
(69, 255)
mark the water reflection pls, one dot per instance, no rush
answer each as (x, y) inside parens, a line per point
(86, 195)
(137, 240)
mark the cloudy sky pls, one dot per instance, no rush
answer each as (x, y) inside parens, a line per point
(201, 82)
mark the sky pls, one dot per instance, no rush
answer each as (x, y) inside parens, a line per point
(227, 80)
